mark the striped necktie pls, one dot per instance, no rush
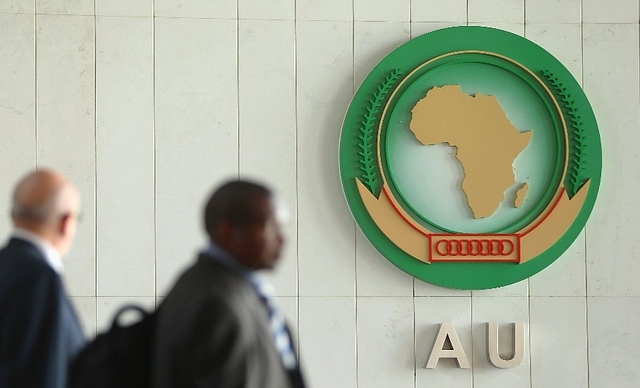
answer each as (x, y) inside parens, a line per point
(278, 325)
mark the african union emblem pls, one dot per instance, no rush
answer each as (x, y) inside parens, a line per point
(470, 158)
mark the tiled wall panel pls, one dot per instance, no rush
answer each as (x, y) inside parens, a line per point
(17, 104)
(86, 308)
(496, 11)
(614, 11)
(381, 11)
(565, 276)
(612, 243)
(385, 342)
(196, 133)
(17, 6)
(559, 338)
(373, 41)
(336, 10)
(433, 11)
(267, 122)
(65, 7)
(520, 288)
(65, 98)
(376, 276)
(613, 341)
(553, 11)
(124, 7)
(125, 157)
(267, 10)
(326, 232)
(327, 331)
(563, 41)
(219, 9)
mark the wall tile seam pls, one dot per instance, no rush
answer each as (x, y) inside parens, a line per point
(48, 13)
(296, 155)
(62, 14)
(124, 17)
(231, 19)
(637, 22)
(325, 20)
(111, 295)
(462, 22)
(528, 347)
(254, 19)
(138, 16)
(241, 19)
(96, 277)
(321, 20)
(559, 23)
(16, 13)
(465, 296)
(118, 296)
(156, 302)
(328, 20)
(389, 22)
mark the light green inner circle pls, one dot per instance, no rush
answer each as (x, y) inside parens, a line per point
(429, 177)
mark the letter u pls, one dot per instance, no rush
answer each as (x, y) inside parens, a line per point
(492, 346)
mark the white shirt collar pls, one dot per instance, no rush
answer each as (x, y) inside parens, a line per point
(50, 254)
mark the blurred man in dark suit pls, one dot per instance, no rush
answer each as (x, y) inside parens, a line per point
(220, 326)
(39, 329)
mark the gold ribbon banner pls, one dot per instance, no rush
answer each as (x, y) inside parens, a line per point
(421, 243)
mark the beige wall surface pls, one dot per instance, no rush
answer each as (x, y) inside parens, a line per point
(147, 105)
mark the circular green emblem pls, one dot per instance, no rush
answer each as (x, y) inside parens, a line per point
(470, 158)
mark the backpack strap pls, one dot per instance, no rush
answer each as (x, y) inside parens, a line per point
(123, 310)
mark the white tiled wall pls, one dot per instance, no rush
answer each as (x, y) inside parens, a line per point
(147, 105)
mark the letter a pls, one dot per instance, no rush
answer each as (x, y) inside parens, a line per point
(518, 343)
(437, 352)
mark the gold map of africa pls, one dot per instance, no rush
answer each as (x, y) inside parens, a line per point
(486, 141)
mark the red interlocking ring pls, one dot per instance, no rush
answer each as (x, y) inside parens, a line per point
(475, 247)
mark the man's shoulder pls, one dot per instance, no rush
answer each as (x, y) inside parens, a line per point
(24, 255)
(16, 247)
(202, 288)
(213, 275)
(207, 266)
(206, 281)
(22, 264)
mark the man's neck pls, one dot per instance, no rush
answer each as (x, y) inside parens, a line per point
(45, 247)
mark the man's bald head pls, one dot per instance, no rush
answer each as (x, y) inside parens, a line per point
(44, 202)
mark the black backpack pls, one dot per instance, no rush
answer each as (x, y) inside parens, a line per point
(119, 357)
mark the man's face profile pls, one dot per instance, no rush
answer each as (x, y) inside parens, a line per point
(261, 241)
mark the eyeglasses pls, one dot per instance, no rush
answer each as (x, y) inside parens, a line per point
(77, 215)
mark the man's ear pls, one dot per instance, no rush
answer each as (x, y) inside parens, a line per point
(222, 233)
(64, 224)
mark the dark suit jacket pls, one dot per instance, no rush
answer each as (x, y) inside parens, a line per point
(39, 329)
(213, 331)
